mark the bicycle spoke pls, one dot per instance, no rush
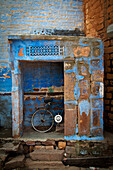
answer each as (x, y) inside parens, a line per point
(42, 120)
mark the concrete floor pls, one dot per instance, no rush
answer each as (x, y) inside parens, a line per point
(30, 134)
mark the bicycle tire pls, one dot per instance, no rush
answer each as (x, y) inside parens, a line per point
(42, 117)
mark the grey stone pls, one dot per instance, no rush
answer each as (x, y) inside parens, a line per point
(70, 149)
(9, 147)
(3, 155)
(30, 164)
(15, 162)
(47, 155)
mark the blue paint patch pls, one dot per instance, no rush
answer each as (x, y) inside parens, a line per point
(84, 106)
(76, 137)
(5, 79)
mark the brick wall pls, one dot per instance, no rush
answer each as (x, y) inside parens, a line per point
(25, 17)
(98, 16)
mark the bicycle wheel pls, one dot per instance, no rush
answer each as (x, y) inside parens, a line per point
(42, 120)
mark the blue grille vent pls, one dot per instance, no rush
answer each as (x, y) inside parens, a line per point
(44, 50)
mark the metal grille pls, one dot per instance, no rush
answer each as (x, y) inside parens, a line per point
(44, 50)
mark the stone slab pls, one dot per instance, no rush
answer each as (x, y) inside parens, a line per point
(16, 162)
(47, 155)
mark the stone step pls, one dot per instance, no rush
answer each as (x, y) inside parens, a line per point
(47, 155)
(50, 165)
(43, 164)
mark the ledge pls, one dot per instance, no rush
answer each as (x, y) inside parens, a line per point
(48, 37)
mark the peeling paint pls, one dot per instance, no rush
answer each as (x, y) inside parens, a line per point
(83, 79)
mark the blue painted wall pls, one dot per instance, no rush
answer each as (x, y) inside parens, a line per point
(38, 77)
(31, 17)
(42, 75)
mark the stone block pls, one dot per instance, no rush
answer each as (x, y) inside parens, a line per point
(69, 143)
(61, 145)
(97, 132)
(70, 149)
(97, 75)
(15, 162)
(96, 117)
(83, 68)
(84, 117)
(47, 155)
(30, 143)
(97, 103)
(95, 88)
(70, 119)
(10, 147)
(69, 88)
(96, 52)
(31, 148)
(3, 155)
(81, 51)
(96, 63)
(44, 147)
(84, 88)
(30, 164)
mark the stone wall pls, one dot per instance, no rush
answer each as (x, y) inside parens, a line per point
(55, 153)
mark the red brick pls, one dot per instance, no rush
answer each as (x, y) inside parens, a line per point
(107, 101)
(108, 69)
(112, 42)
(112, 102)
(99, 27)
(107, 108)
(95, 5)
(109, 89)
(111, 14)
(110, 115)
(108, 95)
(110, 8)
(111, 122)
(108, 63)
(111, 2)
(109, 76)
(111, 56)
(110, 21)
(107, 43)
(98, 9)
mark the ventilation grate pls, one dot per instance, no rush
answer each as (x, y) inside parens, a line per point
(44, 50)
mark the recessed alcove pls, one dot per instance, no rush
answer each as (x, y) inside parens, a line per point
(40, 80)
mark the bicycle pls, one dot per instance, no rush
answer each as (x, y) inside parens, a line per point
(43, 120)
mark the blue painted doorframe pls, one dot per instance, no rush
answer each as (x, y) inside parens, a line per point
(83, 80)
